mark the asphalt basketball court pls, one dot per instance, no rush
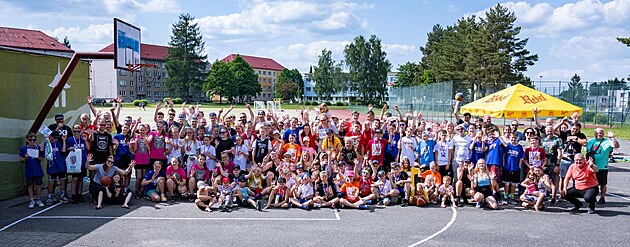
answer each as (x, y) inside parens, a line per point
(181, 222)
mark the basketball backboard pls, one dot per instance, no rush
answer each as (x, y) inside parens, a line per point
(126, 45)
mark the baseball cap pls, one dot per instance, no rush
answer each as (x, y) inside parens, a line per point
(300, 167)
(56, 134)
(306, 176)
(212, 114)
(306, 138)
(350, 174)
(426, 133)
(201, 184)
(374, 161)
(58, 116)
(381, 172)
(379, 131)
(276, 132)
(225, 180)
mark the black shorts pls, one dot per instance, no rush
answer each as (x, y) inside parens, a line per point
(34, 180)
(602, 177)
(511, 177)
(59, 175)
(486, 191)
(80, 175)
(123, 162)
(444, 172)
(206, 202)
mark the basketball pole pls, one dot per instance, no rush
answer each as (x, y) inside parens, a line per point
(62, 82)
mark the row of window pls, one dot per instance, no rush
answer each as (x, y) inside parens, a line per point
(123, 82)
(149, 93)
(266, 80)
(264, 72)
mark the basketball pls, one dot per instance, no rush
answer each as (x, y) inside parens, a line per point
(106, 181)
(459, 97)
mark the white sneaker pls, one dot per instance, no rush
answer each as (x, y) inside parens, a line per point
(40, 203)
(31, 204)
(317, 205)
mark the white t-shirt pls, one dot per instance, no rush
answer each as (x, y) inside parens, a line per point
(462, 148)
(305, 190)
(407, 146)
(442, 149)
(211, 151)
(385, 187)
(239, 159)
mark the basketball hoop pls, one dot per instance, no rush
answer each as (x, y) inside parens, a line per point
(138, 67)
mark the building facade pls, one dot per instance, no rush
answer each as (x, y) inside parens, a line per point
(148, 83)
(268, 71)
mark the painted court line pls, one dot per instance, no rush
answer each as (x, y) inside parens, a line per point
(618, 196)
(177, 218)
(453, 217)
(30, 216)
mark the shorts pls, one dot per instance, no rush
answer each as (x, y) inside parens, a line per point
(564, 167)
(302, 200)
(123, 162)
(353, 200)
(55, 176)
(206, 202)
(34, 180)
(142, 166)
(486, 191)
(81, 174)
(552, 175)
(602, 177)
(401, 190)
(498, 172)
(442, 170)
(148, 193)
(531, 198)
(512, 177)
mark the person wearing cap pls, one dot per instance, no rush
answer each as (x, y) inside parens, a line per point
(205, 198)
(225, 190)
(60, 126)
(302, 195)
(350, 193)
(307, 147)
(244, 195)
(376, 148)
(467, 116)
(425, 150)
(331, 144)
(56, 167)
(383, 190)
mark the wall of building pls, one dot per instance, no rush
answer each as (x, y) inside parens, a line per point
(25, 79)
(267, 79)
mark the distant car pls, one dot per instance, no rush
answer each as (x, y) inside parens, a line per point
(100, 101)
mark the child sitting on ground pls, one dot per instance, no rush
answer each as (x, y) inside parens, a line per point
(303, 194)
(446, 192)
(431, 188)
(225, 191)
(205, 198)
(243, 193)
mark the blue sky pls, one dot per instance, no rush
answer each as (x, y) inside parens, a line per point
(569, 36)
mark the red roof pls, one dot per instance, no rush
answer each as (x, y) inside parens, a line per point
(257, 62)
(29, 39)
(149, 52)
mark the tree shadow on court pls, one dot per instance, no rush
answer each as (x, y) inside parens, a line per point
(618, 169)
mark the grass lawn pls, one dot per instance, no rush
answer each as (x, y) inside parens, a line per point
(238, 106)
(620, 132)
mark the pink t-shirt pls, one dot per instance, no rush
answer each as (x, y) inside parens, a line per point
(157, 144)
(200, 173)
(142, 152)
(170, 171)
(583, 178)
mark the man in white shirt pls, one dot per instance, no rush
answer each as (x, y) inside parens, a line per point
(461, 145)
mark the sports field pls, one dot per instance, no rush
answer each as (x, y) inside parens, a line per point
(182, 223)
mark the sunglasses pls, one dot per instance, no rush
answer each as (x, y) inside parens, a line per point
(32, 139)
(110, 161)
(102, 124)
(76, 131)
(514, 124)
(171, 114)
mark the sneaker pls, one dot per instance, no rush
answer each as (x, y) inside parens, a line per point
(31, 204)
(591, 211)
(601, 201)
(49, 201)
(362, 207)
(575, 209)
(305, 207)
(317, 205)
(258, 205)
(163, 198)
(404, 203)
(368, 202)
(172, 199)
(553, 201)
(65, 199)
(74, 199)
(40, 203)
(478, 205)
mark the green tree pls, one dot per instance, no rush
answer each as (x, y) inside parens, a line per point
(409, 74)
(323, 75)
(625, 41)
(601, 88)
(576, 93)
(289, 84)
(368, 67)
(219, 81)
(185, 62)
(245, 81)
(65, 41)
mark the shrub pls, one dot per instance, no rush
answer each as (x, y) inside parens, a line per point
(177, 101)
(339, 103)
(314, 103)
(307, 103)
(328, 103)
(600, 119)
(588, 116)
(137, 102)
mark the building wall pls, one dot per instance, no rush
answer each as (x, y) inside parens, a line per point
(267, 79)
(148, 83)
(25, 79)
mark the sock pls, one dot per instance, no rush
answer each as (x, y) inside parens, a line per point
(362, 207)
(511, 195)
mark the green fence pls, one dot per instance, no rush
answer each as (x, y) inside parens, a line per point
(435, 100)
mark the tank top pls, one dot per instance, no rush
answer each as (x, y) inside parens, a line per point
(262, 149)
(483, 181)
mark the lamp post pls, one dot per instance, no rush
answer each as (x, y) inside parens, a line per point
(540, 82)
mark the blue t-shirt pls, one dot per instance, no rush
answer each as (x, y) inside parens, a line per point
(32, 166)
(78, 144)
(392, 147)
(514, 154)
(425, 149)
(58, 163)
(123, 148)
(289, 131)
(495, 152)
(477, 153)
(152, 185)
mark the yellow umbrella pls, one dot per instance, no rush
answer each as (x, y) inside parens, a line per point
(519, 101)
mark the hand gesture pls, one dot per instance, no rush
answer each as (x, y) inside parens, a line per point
(139, 121)
(132, 164)
(120, 99)
(115, 141)
(220, 110)
(64, 137)
(492, 175)
(396, 107)
(89, 99)
(536, 111)
(99, 113)
(158, 106)
(370, 107)
(169, 102)
(611, 134)
(183, 104)
(89, 158)
(385, 106)
(231, 107)
(248, 106)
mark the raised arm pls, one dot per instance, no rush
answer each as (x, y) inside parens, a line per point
(158, 106)
(89, 102)
(456, 112)
(400, 115)
(536, 118)
(383, 111)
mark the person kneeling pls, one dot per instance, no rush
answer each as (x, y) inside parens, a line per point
(205, 197)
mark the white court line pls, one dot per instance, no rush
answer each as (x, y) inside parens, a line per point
(30, 216)
(618, 196)
(440, 231)
(171, 218)
(337, 214)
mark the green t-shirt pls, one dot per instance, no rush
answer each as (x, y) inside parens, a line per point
(551, 146)
(602, 151)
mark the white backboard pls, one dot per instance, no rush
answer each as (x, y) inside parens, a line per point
(126, 44)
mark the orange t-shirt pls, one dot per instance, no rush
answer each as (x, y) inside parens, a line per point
(351, 191)
(436, 175)
(293, 149)
(583, 178)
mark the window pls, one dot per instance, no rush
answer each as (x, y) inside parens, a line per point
(274, 80)
(140, 89)
(156, 93)
(122, 72)
(308, 89)
(122, 93)
(264, 72)
(122, 82)
(132, 93)
(265, 80)
(164, 75)
(165, 93)
(140, 78)
(157, 84)
(274, 73)
(148, 93)
(259, 72)
(131, 83)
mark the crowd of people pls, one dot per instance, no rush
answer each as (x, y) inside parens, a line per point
(316, 159)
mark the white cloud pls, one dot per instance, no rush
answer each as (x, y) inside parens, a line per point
(400, 49)
(133, 6)
(265, 20)
(591, 47)
(93, 38)
(558, 74)
(451, 8)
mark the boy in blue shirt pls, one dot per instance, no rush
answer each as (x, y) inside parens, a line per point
(425, 151)
(494, 158)
(56, 168)
(511, 169)
(33, 172)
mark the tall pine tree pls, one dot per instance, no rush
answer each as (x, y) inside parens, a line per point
(185, 62)
(323, 75)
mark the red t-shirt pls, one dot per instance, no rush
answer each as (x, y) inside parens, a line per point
(365, 186)
(535, 156)
(376, 150)
(583, 178)
(351, 191)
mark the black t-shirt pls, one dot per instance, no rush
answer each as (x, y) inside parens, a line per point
(65, 130)
(234, 178)
(100, 146)
(223, 145)
(571, 147)
(326, 190)
(348, 155)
